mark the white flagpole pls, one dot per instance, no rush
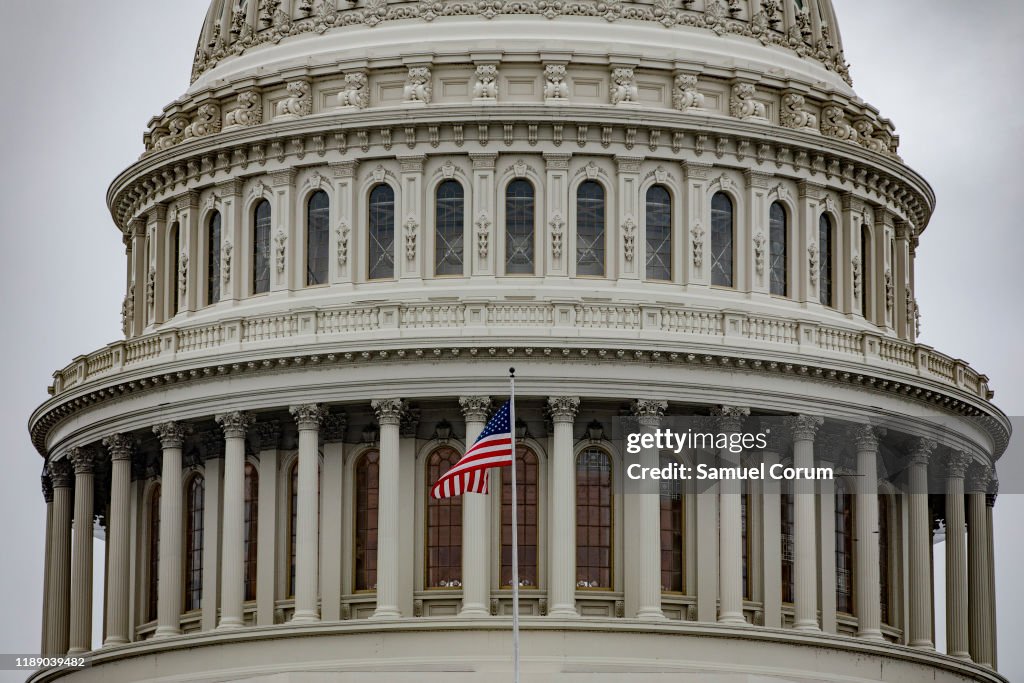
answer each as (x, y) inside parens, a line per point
(515, 527)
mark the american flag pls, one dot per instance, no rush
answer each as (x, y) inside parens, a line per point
(493, 448)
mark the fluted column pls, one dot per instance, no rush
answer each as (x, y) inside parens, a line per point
(919, 519)
(562, 539)
(990, 502)
(868, 586)
(80, 634)
(956, 560)
(804, 428)
(120, 447)
(169, 595)
(476, 523)
(60, 558)
(44, 640)
(389, 418)
(730, 529)
(232, 586)
(649, 413)
(268, 435)
(307, 566)
(977, 565)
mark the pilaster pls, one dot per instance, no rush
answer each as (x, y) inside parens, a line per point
(553, 237)
(480, 247)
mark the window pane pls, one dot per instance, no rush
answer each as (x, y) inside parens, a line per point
(673, 540)
(213, 259)
(252, 487)
(721, 240)
(444, 526)
(261, 248)
(883, 554)
(367, 496)
(317, 238)
(825, 247)
(194, 545)
(777, 239)
(526, 519)
(154, 550)
(590, 229)
(448, 228)
(519, 240)
(659, 234)
(382, 232)
(786, 504)
(844, 548)
(593, 519)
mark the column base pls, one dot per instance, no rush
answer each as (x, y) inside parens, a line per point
(305, 617)
(873, 635)
(923, 645)
(651, 614)
(806, 626)
(166, 632)
(385, 613)
(114, 642)
(76, 651)
(732, 620)
(563, 612)
(474, 610)
(230, 624)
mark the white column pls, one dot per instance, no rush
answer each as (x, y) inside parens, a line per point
(562, 538)
(730, 528)
(956, 560)
(169, 596)
(307, 419)
(117, 594)
(868, 586)
(212, 449)
(990, 501)
(977, 565)
(920, 633)
(232, 587)
(649, 413)
(331, 501)
(80, 635)
(268, 434)
(60, 585)
(44, 641)
(476, 543)
(772, 535)
(805, 567)
(389, 418)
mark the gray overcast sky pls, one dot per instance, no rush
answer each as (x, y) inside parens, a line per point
(80, 81)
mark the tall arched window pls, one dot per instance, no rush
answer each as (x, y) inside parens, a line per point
(844, 547)
(865, 270)
(449, 218)
(777, 249)
(721, 240)
(318, 216)
(213, 259)
(261, 248)
(590, 207)
(381, 226)
(673, 534)
(154, 551)
(367, 472)
(444, 526)
(527, 470)
(252, 504)
(826, 244)
(884, 543)
(746, 534)
(194, 496)
(786, 505)
(519, 231)
(293, 523)
(659, 233)
(594, 519)
(175, 267)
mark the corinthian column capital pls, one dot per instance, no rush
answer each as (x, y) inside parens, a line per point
(730, 418)
(120, 446)
(307, 415)
(171, 434)
(47, 485)
(804, 427)
(388, 410)
(865, 437)
(61, 475)
(648, 407)
(475, 408)
(82, 459)
(979, 477)
(563, 408)
(235, 423)
(957, 463)
(921, 450)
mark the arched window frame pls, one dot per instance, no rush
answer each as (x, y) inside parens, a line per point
(453, 222)
(251, 497)
(593, 242)
(611, 546)
(261, 216)
(827, 246)
(507, 216)
(194, 527)
(317, 239)
(778, 249)
(387, 253)
(450, 572)
(214, 229)
(723, 227)
(659, 233)
(367, 464)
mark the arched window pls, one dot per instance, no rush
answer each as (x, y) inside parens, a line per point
(777, 249)
(382, 232)
(213, 259)
(673, 534)
(367, 472)
(594, 519)
(194, 543)
(865, 270)
(527, 469)
(444, 526)
(825, 255)
(844, 547)
(659, 233)
(252, 506)
(449, 215)
(154, 551)
(590, 229)
(175, 267)
(884, 543)
(261, 248)
(318, 216)
(786, 509)
(721, 240)
(519, 239)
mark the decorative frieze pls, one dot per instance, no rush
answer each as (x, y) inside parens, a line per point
(486, 85)
(249, 111)
(623, 88)
(795, 114)
(685, 95)
(555, 88)
(298, 103)
(356, 92)
(417, 85)
(742, 104)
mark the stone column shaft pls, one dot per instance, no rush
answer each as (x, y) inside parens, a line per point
(118, 539)
(649, 414)
(60, 584)
(45, 640)
(993, 632)
(977, 569)
(562, 539)
(868, 586)
(232, 592)
(476, 524)
(772, 539)
(389, 416)
(805, 568)
(169, 595)
(80, 635)
(957, 644)
(730, 528)
(920, 633)
(307, 565)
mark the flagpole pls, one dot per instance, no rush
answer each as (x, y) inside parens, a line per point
(515, 528)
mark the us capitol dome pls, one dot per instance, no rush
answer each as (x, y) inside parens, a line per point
(362, 212)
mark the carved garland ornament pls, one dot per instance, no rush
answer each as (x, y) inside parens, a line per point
(343, 232)
(628, 237)
(759, 241)
(483, 233)
(623, 86)
(555, 87)
(557, 224)
(280, 239)
(685, 95)
(249, 111)
(411, 228)
(356, 92)
(697, 233)
(812, 263)
(743, 105)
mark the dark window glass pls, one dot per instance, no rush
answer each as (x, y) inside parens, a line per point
(673, 535)
(252, 506)
(293, 523)
(590, 229)
(527, 471)
(865, 269)
(777, 242)
(154, 551)
(367, 504)
(594, 519)
(176, 267)
(261, 248)
(519, 230)
(213, 259)
(746, 531)
(382, 232)
(884, 542)
(844, 548)
(825, 247)
(449, 217)
(318, 216)
(194, 544)
(659, 233)
(786, 504)
(721, 240)
(444, 526)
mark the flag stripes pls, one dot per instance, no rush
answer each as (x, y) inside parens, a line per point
(493, 448)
